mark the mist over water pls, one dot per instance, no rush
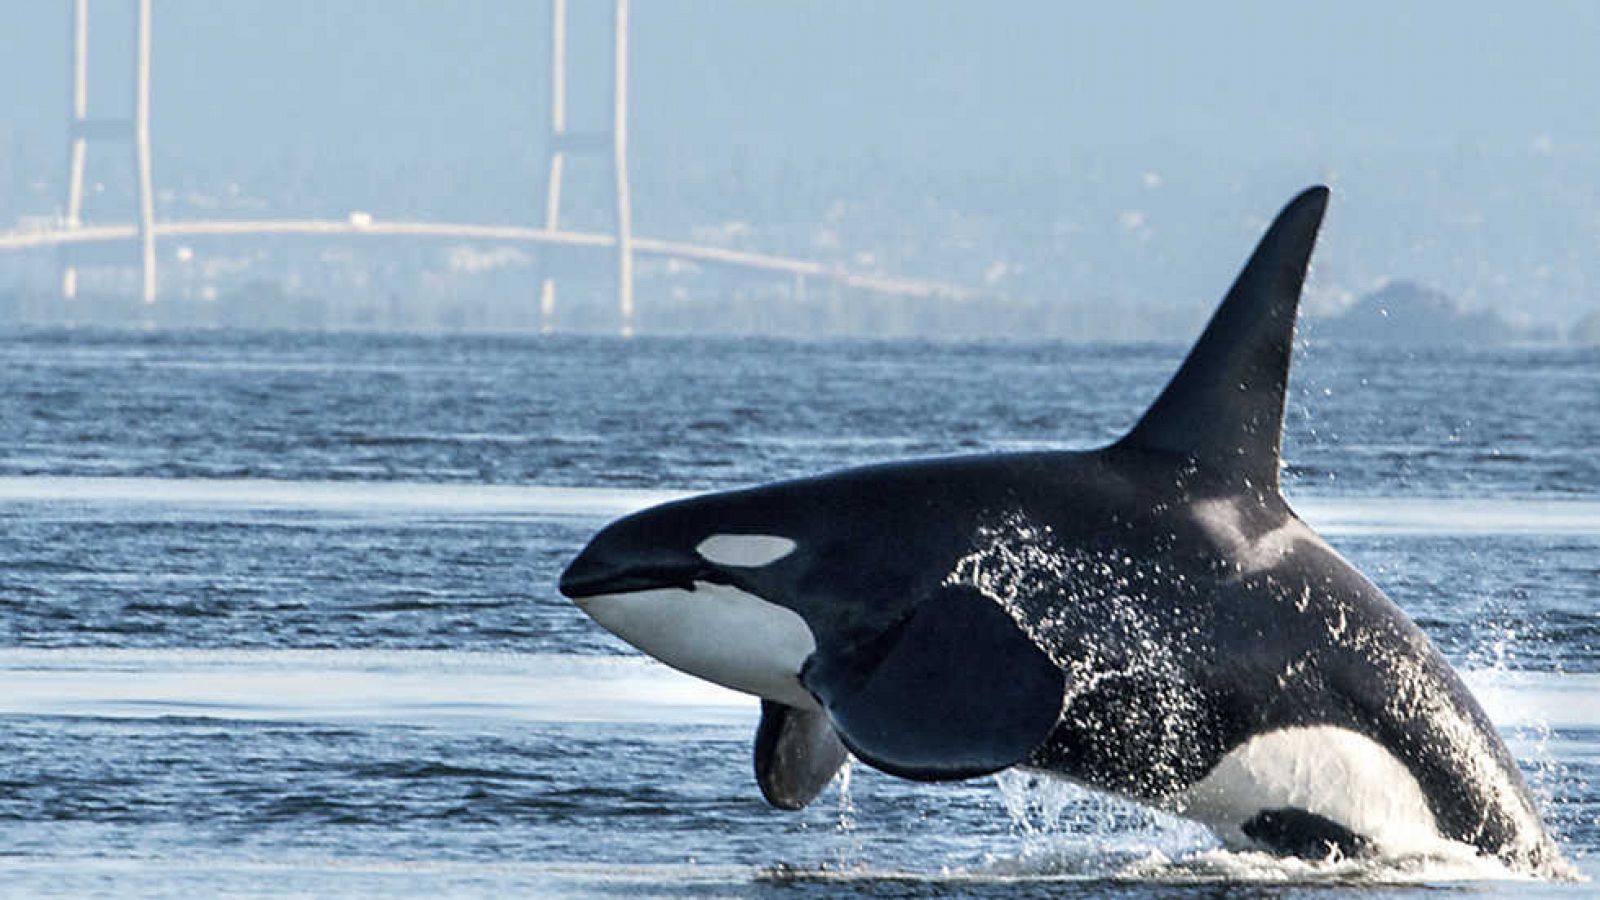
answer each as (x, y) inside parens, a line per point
(278, 614)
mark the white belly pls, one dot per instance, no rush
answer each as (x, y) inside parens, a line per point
(715, 632)
(1331, 772)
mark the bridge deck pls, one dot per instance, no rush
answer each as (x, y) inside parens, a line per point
(21, 240)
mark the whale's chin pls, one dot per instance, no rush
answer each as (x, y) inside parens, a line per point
(715, 632)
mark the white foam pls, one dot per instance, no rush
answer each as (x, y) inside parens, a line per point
(1452, 516)
(1227, 867)
(1524, 699)
(408, 685)
(333, 496)
(1329, 515)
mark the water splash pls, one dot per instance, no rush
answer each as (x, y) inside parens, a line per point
(850, 854)
(1065, 828)
(1093, 613)
(1230, 866)
(1501, 655)
(1072, 833)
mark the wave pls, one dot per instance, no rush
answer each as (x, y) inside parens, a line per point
(1331, 515)
(1449, 515)
(398, 498)
(1084, 868)
(440, 686)
(1089, 865)
(406, 687)
(204, 875)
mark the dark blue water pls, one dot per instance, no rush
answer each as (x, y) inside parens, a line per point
(677, 412)
(277, 613)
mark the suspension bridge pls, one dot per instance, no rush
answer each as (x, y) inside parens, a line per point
(79, 242)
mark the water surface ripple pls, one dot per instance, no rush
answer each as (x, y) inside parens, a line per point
(277, 613)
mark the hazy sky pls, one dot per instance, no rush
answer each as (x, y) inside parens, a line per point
(947, 81)
(1253, 99)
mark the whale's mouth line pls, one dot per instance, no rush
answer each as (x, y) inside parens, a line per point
(586, 579)
(578, 590)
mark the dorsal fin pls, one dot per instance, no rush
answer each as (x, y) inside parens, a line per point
(1224, 408)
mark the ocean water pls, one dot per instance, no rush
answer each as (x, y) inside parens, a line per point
(278, 613)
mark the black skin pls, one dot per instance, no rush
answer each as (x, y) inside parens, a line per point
(1306, 835)
(1243, 657)
(1122, 616)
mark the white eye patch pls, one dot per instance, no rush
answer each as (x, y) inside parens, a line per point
(744, 550)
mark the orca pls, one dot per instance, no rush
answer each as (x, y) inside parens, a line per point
(1149, 619)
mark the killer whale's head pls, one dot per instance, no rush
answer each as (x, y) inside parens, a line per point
(821, 596)
(707, 585)
(743, 588)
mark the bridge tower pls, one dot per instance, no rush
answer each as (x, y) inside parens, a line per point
(564, 142)
(81, 130)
